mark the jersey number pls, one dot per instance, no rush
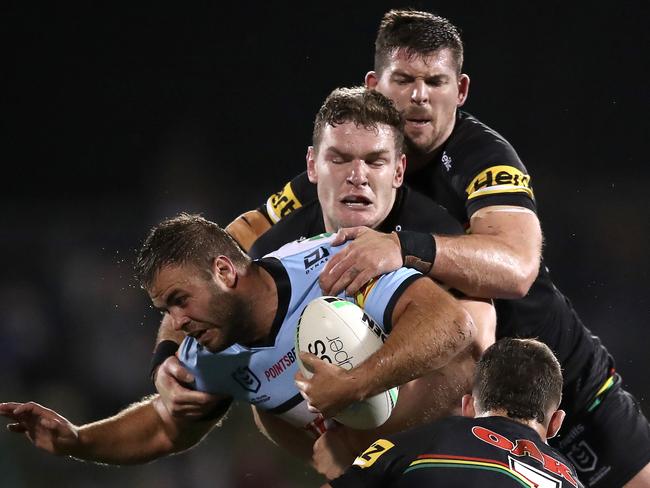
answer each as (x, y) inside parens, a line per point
(540, 478)
(373, 453)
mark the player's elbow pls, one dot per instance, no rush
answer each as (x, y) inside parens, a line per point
(522, 279)
(168, 443)
(520, 270)
(172, 435)
(522, 254)
(464, 329)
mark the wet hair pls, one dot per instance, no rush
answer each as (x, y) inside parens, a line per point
(366, 108)
(419, 34)
(519, 376)
(185, 239)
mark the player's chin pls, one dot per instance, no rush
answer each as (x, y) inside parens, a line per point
(420, 140)
(366, 222)
(359, 218)
(214, 341)
(216, 347)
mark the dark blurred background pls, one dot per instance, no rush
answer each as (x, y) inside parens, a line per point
(114, 118)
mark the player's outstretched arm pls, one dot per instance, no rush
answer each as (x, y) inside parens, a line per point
(140, 433)
(429, 329)
(45, 428)
(499, 259)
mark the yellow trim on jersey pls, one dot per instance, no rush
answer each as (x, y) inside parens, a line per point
(499, 179)
(362, 295)
(374, 452)
(282, 203)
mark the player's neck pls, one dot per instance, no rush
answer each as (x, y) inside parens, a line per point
(418, 158)
(533, 424)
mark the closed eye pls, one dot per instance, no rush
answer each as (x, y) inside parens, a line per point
(401, 80)
(376, 162)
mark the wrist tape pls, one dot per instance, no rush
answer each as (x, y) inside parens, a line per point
(418, 250)
(163, 350)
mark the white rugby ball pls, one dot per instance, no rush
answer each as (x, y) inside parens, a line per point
(341, 333)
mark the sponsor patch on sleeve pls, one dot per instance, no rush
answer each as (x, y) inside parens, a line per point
(361, 296)
(282, 203)
(499, 179)
(373, 453)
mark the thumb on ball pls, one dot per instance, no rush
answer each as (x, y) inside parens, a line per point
(309, 361)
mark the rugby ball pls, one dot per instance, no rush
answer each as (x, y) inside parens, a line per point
(341, 333)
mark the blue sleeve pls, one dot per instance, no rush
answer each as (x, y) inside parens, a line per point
(379, 296)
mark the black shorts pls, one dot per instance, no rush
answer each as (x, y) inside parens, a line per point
(609, 445)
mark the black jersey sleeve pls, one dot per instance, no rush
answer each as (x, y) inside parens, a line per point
(303, 222)
(298, 192)
(417, 212)
(484, 169)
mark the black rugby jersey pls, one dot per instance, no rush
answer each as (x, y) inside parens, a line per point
(462, 452)
(475, 168)
(411, 211)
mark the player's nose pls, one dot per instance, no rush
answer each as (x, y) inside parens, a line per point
(179, 319)
(420, 93)
(358, 173)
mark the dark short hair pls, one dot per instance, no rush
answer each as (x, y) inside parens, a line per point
(419, 33)
(519, 376)
(181, 240)
(366, 108)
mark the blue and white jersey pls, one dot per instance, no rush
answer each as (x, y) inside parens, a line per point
(264, 375)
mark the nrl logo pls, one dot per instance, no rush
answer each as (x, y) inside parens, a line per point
(583, 457)
(247, 379)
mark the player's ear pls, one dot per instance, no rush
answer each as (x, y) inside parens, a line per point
(463, 89)
(467, 406)
(400, 168)
(371, 80)
(224, 270)
(311, 164)
(555, 423)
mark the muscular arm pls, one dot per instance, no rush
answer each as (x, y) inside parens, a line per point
(484, 317)
(429, 329)
(140, 433)
(499, 259)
